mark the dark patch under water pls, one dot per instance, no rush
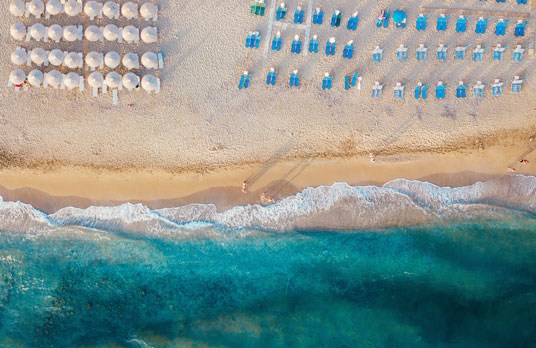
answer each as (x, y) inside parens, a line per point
(463, 285)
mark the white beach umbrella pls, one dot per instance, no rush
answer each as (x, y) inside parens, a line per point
(18, 31)
(17, 7)
(35, 78)
(113, 79)
(130, 33)
(148, 10)
(92, 9)
(149, 34)
(19, 56)
(73, 8)
(130, 81)
(54, 7)
(54, 78)
(131, 61)
(129, 10)
(73, 60)
(71, 33)
(38, 31)
(112, 59)
(17, 77)
(93, 33)
(94, 59)
(110, 9)
(149, 83)
(72, 80)
(36, 7)
(95, 79)
(150, 60)
(111, 32)
(55, 32)
(38, 56)
(55, 57)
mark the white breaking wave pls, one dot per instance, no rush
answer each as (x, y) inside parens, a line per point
(339, 206)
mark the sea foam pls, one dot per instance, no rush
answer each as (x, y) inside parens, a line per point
(339, 206)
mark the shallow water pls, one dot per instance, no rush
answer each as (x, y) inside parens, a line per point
(455, 285)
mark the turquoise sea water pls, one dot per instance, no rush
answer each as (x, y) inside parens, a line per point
(459, 285)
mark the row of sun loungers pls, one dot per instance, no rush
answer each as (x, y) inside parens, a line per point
(75, 60)
(421, 90)
(93, 33)
(92, 9)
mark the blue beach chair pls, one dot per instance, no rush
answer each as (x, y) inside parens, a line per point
(478, 90)
(424, 92)
(500, 28)
(520, 28)
(318, 16)
(441, 90)
(516, 84)
(253, 39)
(441, 53)
(327, 81)
(355, 79)
(377, 54)
(331, 45)
(421, 53)
(313, 44)
(244, 80)
(521, 2)
(277, 42)
(461, 90)
(271, 77)
(294, 79)
(296, 45)
(387, 18)
(281, 12)
(518, 54)
(377, 90)
(442, 22)
(420, 23)
(421, 91)
(461, 24)
(402, 53)
(352, 22)
(298, 15)
(398, 93)
(478, 53)
(481, 25)
(459, 52)
(498, 52)
(496, 88)
(348, 51)
(336, 19)
(383, 19)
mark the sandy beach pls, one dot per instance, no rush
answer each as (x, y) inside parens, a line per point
(201, 137)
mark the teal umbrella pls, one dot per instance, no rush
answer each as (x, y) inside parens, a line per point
(399, 16)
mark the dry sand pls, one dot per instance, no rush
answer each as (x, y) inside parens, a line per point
(201, 132)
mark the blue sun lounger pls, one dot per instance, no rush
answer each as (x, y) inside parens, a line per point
(440, 91)
(313, 45)
(253, 40)
(497, 88)
(336, 19)
(244, 81)
(331, 45)
(387, 17)
(352, 22)
(327, 82)
(461, 90)
(421, 53)
(277, 42)
(348, 51)
(418, 89)
(461, 24)
(516, 85)
(377, 90)
(442, 22)
(377, 54)
(383, 19)
(271, 78)
(498, 52)
(478, 90)
(402, 53)
(296, 45)
(459, 52)
(298, 15)
(478, 53)
(500, 28)
(318, 16)
(355, 78)
(441, 53)
(481, 25)
(351, 81)
(347, 82)
(281, 12)
(398, 93)
(518, 54)
(420, 23)
(521, 2)
(520, 28)
(294, 79)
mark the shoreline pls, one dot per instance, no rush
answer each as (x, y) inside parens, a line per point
(56, 188)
